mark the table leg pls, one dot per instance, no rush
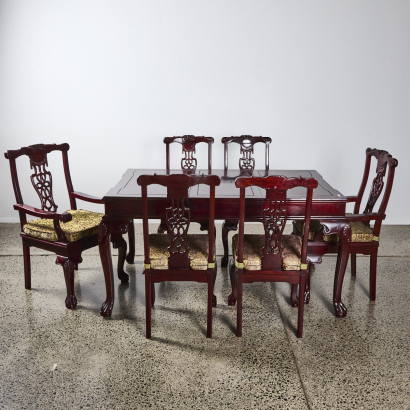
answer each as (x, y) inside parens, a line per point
(344, 232)
(111, 228)
(227, 226)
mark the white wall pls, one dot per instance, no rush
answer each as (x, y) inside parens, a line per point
(325, 79)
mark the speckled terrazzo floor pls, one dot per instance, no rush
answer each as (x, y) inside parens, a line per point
(53, 358)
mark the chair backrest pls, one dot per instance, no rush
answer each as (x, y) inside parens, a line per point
(384, 161)
(178, 213)
(246, 142)
(274, 216)
(41, 178)
(188, 142)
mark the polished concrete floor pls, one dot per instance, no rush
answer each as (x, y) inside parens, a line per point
(54, 358)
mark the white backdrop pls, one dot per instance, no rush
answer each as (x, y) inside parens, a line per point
(324, 79)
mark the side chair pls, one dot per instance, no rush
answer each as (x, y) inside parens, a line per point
(246, 167)
(188, 161)
(270, 257)
(67, 234)
(365, 226)
(177, 255)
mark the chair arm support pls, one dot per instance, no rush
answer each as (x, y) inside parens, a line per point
(365, 217)
(352, 198)
(27, 209)
(88, 198)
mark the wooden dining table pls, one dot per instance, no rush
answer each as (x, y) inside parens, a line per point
(123, 204)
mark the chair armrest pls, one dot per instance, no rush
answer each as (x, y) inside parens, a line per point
(88, 198)
(352, 198)
(27, 209)
(365, 217)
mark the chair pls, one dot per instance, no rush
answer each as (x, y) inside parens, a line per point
(67, 234)
(188, 142)
(246, 167)
(178, 256)
(271, 257)
(188, 162)
(365, 237)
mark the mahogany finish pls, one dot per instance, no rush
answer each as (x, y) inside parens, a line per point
(68, 253)
(123, 203)
(246, 167)
(274, 217)
(177, 215)
(188, 142)
(318, 247)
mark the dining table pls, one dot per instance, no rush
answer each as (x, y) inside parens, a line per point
(123, 205)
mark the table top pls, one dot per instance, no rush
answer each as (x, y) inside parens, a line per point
(127, 187)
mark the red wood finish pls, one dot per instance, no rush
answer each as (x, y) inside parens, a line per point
(177, 216)
(273, 216)
(384, 161)
(123, 203)
(68, 253)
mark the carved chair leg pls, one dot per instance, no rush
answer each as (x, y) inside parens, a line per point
(209, 304)
(294, 300)
(239, 305)
(148, 289)
(301, 305)
(118, 242)
(234, 284)
(68, 267)
(162, 226)
(353, 263)
(76, 264)
(27, 266)
(373, 271)
(227, 226)
(131, 243)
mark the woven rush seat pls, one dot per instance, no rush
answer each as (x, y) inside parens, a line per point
(83, 225)
(198, 251)
(360, 231)
(252, 251)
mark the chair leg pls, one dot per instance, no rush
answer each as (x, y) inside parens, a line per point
(162, 227)
(131, 243)
(301, 305)
(227, 226)
(152, 294)
(353, 263)
(148, 289)
(214, 301)
(239, 305)
(68, 267)
(234, 284)
(27, 266)
(373, 270)
(210, 303)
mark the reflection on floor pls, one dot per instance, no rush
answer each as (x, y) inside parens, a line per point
(53, 358)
